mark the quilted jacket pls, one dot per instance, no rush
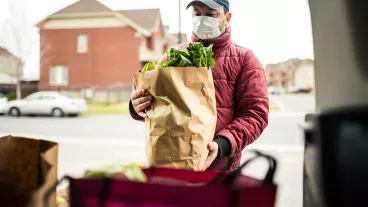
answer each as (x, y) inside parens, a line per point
(241, 98)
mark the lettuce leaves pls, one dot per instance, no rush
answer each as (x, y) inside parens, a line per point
(196, 55)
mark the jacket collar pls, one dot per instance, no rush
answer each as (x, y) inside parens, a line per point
(219, 43)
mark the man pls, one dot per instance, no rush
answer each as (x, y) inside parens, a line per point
(240, 84)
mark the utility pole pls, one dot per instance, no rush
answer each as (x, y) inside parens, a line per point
(179, 33)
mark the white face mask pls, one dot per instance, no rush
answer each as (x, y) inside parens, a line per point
(207, 27)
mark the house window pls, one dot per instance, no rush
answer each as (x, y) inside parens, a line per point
(59, 75)
(82, 43)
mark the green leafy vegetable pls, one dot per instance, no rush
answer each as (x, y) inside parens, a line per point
(129, 172)
(196, 55)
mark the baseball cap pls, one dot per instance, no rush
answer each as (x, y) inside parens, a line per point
(213, 4)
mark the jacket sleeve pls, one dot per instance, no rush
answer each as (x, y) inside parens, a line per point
(133, 113)
(252, 106)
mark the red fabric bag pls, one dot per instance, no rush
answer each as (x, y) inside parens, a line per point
(178, 188)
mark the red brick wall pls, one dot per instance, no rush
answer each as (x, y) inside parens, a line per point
(112, 57)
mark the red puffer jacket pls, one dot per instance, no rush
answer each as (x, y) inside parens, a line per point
(241, 96)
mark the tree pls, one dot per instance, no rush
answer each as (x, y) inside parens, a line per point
(19, 36)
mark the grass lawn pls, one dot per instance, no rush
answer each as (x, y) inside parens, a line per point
(274, 108)
(100, 108)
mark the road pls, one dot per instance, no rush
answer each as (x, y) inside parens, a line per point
(90, 142)
(295, 103)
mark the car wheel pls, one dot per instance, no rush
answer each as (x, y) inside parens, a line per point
(15, 112)
(73, 115)
(56, 112)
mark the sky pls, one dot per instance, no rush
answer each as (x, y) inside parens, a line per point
(275, 30)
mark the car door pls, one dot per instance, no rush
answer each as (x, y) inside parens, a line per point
(32, 105)
(48, 104)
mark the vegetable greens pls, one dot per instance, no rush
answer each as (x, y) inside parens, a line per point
(149, 66)
(196, 55)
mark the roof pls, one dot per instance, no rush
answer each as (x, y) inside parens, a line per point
(294, 62)
(84, 6)
(146, 18)
(4, 51)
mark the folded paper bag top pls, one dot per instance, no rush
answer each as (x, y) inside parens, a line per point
(182, 119)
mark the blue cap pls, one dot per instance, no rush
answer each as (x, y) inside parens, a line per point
(213, 4)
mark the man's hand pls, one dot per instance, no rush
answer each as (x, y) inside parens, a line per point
(141, 100)
(213, 147)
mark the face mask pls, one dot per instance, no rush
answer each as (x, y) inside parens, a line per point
(207, 27)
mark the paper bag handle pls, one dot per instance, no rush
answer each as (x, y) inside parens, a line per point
(232, 176)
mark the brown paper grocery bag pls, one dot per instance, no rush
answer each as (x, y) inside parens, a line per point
(182, 120)
(28, 168)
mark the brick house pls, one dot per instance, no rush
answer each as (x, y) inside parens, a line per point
(88, 45)
(293, 74)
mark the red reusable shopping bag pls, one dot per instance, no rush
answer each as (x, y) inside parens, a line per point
(178, 188)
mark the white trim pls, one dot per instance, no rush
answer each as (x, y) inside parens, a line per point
(81, 15)
(116, 14)
(83, 23)
(138, 35)
(73, 16)
(158, 23)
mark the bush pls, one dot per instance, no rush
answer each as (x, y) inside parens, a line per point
(11, 96)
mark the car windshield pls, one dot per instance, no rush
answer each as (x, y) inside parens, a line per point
(61, 96)
(33, 96)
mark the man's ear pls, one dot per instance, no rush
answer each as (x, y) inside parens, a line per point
(228, 18)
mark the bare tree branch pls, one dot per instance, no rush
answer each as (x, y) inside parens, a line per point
(18, 35)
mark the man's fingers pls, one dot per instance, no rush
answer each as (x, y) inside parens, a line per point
(206, 165)
(142, 114)
(211, 157)
(142, 100)
(143, 106)
(211, 146)
(138, 93)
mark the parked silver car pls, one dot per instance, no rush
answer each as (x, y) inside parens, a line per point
(3, 103)
(47, 103)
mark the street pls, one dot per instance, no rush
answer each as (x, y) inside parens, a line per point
(94, 141)
(294, 103)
